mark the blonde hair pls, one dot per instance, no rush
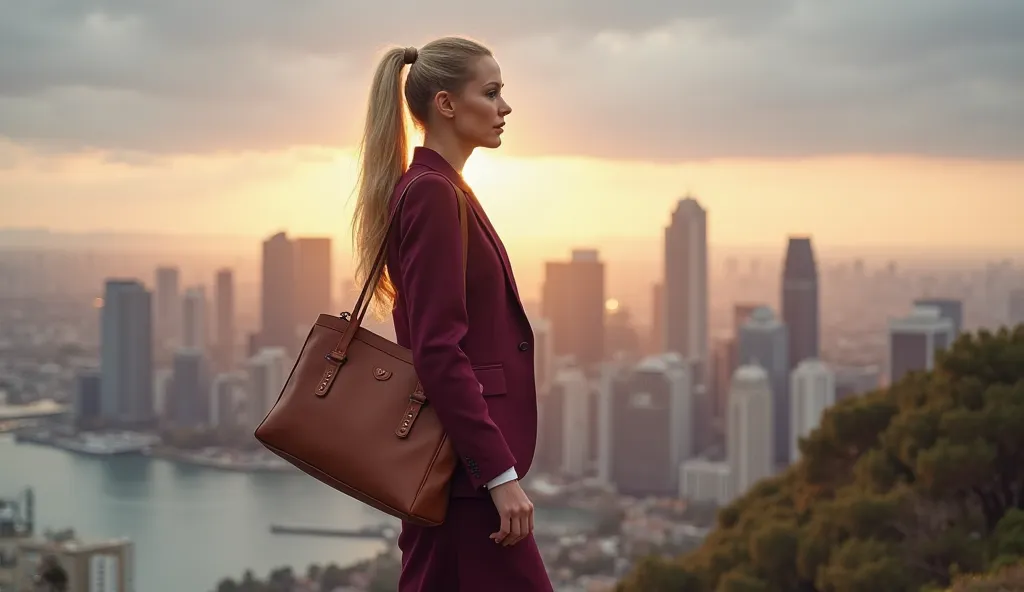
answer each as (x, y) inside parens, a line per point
(444, 64)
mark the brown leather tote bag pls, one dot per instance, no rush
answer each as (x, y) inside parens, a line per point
(353, 414)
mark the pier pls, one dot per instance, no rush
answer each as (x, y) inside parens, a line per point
(384, 533)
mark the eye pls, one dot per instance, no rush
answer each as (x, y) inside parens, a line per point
(492, 94)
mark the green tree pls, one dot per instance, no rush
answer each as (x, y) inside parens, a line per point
(898, 489)
(227, 585)
(250, 583)
(1008, 579)
(655, 574)
(739, 581)
(281, 579)
(772, 550)
(333, 577)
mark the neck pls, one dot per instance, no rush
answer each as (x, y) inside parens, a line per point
(449, 149)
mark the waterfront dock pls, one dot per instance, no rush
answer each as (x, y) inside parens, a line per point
(384, 533)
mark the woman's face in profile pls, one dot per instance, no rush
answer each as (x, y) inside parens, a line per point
(480, 110)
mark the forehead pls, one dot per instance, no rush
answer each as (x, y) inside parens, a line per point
(486, 70)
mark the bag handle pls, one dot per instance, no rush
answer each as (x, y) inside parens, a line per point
(337, 355)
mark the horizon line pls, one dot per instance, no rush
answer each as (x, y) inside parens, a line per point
(594, 243)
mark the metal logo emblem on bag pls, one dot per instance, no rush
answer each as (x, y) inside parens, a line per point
(381, 374)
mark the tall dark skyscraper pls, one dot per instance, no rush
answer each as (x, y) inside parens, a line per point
(800, 300)
(126, 352)
(189, 392)
(686, 282)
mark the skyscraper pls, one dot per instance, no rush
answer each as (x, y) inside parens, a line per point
(167, 309)
(277, 305)
(749, 435)
(544, 355)
(686, 282)
(267, 374)
(723, 364)
(915, 339)
(88, 399)
(763, 341)
(126, 352)
(813, 391)
(188, 402)
(312, 279)
(573, 302)
(195, 326)
(1016, 307)
(651, 422)
(949, 308)
(574, 393)
(224, 337)
(741, 312)
(657, 337)
(800, 300)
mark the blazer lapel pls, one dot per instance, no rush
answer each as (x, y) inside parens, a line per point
(492, 235)
(432, 160)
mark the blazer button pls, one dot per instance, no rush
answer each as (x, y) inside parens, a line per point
(523, 346)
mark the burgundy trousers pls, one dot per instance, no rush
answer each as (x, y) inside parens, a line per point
(459, 556)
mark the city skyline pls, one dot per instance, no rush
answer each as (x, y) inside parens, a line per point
(641, 423)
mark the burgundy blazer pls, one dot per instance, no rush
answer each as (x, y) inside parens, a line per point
(473, 348)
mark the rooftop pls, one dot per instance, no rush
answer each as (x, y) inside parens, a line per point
(800, 262)
(922, 318)
(661, 363)
(750, 374)
(812, 366)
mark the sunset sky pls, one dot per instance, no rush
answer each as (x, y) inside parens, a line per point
(859, 122)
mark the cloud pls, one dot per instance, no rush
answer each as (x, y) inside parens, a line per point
(644, 79)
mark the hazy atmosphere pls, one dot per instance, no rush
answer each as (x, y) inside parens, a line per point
(764, 289)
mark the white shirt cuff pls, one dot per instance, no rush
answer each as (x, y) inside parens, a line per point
(509, 475)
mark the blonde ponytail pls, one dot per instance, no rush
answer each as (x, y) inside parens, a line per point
(383, 160)
(444, 64)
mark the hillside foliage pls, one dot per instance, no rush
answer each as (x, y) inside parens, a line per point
(910, 488)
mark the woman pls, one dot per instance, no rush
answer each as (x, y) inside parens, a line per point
(471, 341)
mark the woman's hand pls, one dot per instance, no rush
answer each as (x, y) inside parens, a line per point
(515, 510)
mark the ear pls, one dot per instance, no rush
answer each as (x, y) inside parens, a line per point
(443, 103)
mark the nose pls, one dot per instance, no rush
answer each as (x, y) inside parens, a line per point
(504, 108)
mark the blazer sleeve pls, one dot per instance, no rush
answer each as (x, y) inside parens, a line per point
(431, 275)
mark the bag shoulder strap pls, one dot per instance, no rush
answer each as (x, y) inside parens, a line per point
(363, 302)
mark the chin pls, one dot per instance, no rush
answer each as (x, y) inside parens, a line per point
(492, 142)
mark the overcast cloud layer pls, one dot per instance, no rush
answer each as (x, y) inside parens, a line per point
(651, 79)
